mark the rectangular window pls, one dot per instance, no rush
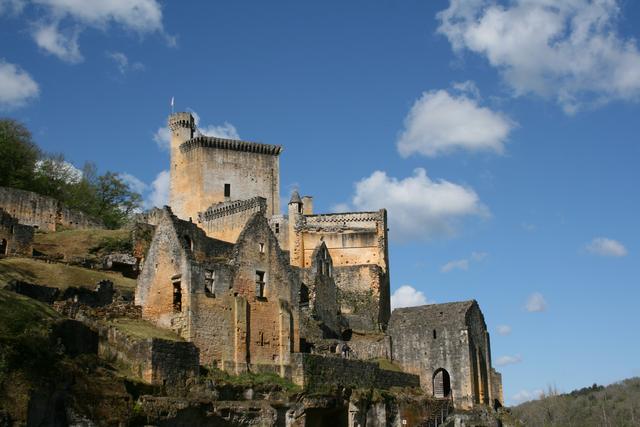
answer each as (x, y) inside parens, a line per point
(277, 228)
(227, 190)
(260, 284)
(177, 297)
(209, 281)
(261, 247)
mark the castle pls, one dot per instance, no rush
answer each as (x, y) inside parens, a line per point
(253, 289)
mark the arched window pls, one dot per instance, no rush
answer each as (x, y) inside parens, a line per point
(441, 384)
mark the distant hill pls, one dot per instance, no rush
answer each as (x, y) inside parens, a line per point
(616, 405)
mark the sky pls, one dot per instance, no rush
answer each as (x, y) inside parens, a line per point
(502, 137)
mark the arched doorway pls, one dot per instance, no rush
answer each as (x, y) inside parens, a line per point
(3, 247)
(441, 384)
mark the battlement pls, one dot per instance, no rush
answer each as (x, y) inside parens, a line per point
(255, 204)
(181, 120)
(230, 144)
(348, 218)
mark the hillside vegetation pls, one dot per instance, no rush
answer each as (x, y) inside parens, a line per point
(70, 244)
(58, 275)
(617, 405)
(107, 197)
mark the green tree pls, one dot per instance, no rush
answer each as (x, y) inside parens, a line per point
(18, 155)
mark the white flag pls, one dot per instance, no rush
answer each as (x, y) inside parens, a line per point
(172, 101)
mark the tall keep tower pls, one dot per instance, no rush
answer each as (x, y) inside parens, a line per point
(208, 170)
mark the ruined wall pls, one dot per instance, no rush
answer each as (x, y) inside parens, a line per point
(357, 243)
(201, 166)
(314, 371)
(45, 213)
(280, 226)
(496, 387)
(153, 360)
(226, 220)
(272, 326)
(363, 296)
(320, 291)
(439, 336)
(15, 238)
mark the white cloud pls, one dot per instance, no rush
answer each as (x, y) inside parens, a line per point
(16, 86)
(508, 360)
(159, 195)
(162, 136)
(569, 50)
(122, 62)
(407, 296)
(65, 46)
(536, 303)
(141, 16)
(439, 123)
(460, 264)
(11, 6)
(62, 170)
(60, 22)
(503, 330)
(419, 208)
(463, 264)
(155, 194)
(133, 182)
(606, 247)
(525, 395)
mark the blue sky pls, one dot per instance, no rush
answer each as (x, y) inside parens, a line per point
(501, 136)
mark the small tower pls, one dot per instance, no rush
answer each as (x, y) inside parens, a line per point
(296, 249)
(182, 127)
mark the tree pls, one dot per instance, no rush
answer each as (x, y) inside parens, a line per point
(18, 155)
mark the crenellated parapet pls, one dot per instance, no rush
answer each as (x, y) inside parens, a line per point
(344, 220)
(181, 120)
(230, 144)
(255, 204)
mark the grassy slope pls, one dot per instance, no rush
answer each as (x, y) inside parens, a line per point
(57, 275)
(75, 243)
(615, 405)
(29, 362)
(139, 328)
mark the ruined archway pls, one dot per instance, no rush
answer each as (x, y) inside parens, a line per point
(441, 384)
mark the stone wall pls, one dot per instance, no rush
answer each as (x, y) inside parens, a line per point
(370, 346)
(450, 337)
(357, 243)
(226, 220)
(317, 372)
(202, 166)
(363, 296)
(155, 361)
(15, 238)
(45, 213)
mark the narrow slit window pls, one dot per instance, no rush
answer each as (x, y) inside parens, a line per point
(209, 281)
(227, 190)
(177, 296)
(434, 334)
(261, 248)
(260, 284)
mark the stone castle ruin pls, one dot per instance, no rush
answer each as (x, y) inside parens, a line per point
(257, 290)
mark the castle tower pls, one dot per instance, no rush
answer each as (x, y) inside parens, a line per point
(182, 127)
(207, 170)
